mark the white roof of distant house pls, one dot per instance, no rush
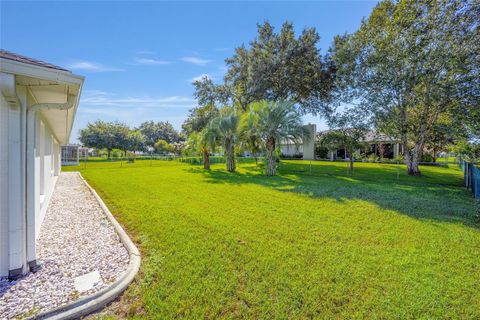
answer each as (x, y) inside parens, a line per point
(374, 136)
(371, 136)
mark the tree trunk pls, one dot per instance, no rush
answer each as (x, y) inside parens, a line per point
(108, 154)
(271, 163)
(230, 155)
(206, 160)
(413, 158)
(350, 151)
(412, 167)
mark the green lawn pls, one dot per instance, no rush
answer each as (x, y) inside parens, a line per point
(312, 242)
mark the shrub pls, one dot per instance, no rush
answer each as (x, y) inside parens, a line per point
(476, 215)
(321, 152)
(427, 158)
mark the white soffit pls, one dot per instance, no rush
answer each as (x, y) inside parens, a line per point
(48, 85)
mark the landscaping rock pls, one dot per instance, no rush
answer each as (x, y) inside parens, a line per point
(76, 240)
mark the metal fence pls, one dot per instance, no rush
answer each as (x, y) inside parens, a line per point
(471, 174)
(155, 160)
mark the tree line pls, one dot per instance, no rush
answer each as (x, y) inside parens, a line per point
(159, 136)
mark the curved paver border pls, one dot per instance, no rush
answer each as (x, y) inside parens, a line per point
(95, 302)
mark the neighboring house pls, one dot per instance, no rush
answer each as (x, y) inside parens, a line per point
(300, 149)
(83, 153)
(291, 149)
(375, 144)
(38, 102)
(72, 153)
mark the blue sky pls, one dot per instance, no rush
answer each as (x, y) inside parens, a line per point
(139, 58)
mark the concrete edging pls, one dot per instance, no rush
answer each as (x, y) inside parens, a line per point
(95, 302)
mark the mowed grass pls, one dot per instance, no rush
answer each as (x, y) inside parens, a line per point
(313, 242)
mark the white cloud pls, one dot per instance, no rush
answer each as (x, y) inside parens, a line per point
(150, 62)
(196, 60)
(92, 67)
(94, 92)
(100, 98)
(200, 77)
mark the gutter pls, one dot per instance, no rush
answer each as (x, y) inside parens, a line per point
(30, 201)
(9, 91)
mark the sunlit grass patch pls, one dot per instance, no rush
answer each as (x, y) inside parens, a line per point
(312, 242)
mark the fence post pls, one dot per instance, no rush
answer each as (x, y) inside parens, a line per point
(469, 175)
(476, 181)
(465, 173)
(398, 170)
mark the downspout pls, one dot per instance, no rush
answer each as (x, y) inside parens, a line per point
(9, 91)
(30, 176)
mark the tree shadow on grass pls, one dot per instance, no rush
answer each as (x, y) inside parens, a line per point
(433, 197)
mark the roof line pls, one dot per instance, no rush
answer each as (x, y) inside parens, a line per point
(5, 54)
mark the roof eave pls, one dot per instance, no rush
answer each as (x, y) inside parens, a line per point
(49, 74)
(34, 71)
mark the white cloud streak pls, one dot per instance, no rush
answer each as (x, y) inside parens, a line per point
(101, 98)
(195, 60)
(150, 62)
(92, 67)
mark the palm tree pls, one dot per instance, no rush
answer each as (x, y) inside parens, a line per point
(273, 122)
(224, 130)
(206, 142)
(249, 140)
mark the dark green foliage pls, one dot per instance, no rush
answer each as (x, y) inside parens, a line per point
(105, 135)
(321, 152)
(207, 93)
(224, 131)
(198, 118)
(154, 131)
(280, 66)
(271, 122)
(410, 63)
(163, 147)
(427, 158)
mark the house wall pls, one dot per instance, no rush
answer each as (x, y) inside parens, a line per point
(12, 217)
(13, 202)
(291, 149)
(47, 169)
(309, 144)
(4, 138)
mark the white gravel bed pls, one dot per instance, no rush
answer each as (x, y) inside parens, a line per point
(75, 239)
